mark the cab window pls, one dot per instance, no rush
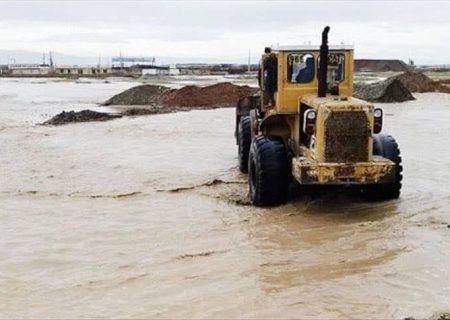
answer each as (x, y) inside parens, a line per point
(336, 67)
(301, 67)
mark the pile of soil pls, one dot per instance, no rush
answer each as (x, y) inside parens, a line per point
(398, 88)
(141, 111)
(444, 81)
(217, 95)
(436, 316)
(418, 82)
(140, 95)
(389, 90)
(81, 116)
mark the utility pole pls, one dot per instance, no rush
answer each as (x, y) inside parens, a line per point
(249, 57)
(50, 60)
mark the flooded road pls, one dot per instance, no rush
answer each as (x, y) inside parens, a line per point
(146, 217)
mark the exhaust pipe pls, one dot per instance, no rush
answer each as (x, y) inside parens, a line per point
(323, 66)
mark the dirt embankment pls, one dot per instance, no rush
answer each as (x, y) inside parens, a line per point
(398, 88)
(81, 116)
(418, 82)
(444, 81)
(140, 95)
(389, 90)
(436, 316)
(158, 99)
(218, 95)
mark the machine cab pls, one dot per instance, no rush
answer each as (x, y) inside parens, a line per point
(290, 72)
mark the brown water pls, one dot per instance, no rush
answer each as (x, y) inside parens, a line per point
(145, 218)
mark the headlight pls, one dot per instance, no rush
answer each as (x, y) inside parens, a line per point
(309, 122)
(310, 115)
(377, 120)
(377, 113)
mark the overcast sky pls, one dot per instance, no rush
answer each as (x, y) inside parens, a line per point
(226, 30)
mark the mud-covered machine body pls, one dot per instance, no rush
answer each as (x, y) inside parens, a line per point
(304, 125)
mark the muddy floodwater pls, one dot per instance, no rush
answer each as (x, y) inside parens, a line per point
(147, 217)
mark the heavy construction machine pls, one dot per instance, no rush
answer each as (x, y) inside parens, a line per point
(304, 125)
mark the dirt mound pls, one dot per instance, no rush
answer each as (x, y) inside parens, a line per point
(140, 95)
(81, 116)
(141, 111)
(389, 90)
(444, 81)
(217, 95)
(221, 94)
(418, 82)
(398, 88)
(436, 316)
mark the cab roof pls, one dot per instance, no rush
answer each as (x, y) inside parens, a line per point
(308, 47)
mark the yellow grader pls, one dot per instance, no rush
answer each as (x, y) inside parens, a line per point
(305, 126)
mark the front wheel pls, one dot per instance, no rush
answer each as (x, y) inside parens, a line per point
(387, 147)
(268, 171)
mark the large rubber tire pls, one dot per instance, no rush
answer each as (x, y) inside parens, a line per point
(386, 146)
(244, 141)
(268, 171)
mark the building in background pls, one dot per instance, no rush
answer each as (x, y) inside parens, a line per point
(29, 69)
(171, 70)
(82, 71)
(4, 69)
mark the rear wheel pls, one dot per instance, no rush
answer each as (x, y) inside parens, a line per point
(268, 171)
(387, 147)
(244, 141)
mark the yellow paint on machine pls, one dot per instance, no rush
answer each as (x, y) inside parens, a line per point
(309, 171)
(287, 96)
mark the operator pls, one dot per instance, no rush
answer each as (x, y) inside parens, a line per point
(306, 72)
